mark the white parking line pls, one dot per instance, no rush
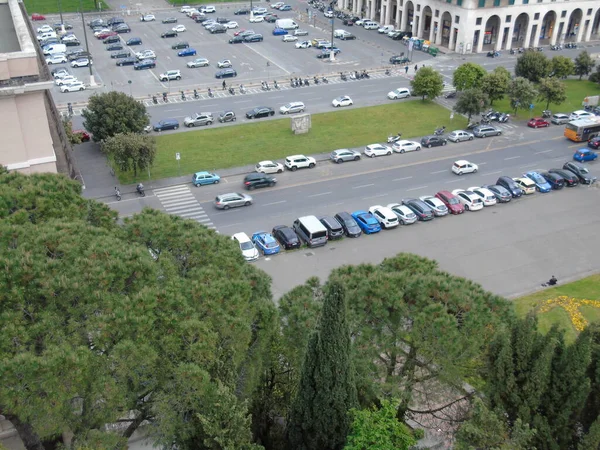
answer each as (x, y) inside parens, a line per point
(438, 171)
(402, 179)
(362, 186)
(172, 110)
(319, 195)
(512, 157)
(543, 151)
(275, 203)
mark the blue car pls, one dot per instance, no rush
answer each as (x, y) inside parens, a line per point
(540, 182)
(202, 178)
(366, 222)
(279, 32)
(266, 242)
(584, 155)
(285, 8)
(187, 52)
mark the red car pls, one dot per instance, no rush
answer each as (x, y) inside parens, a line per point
(106, 34)
(36, 16)
(238, 32)
(85, 136)
(451, 202)
(538, 122)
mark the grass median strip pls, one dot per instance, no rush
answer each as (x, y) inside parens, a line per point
(52, 6)
(571, 306)
(240, 145)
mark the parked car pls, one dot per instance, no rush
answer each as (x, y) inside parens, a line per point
(509, 184)
(469, 200)
(580, 114)
(198, 119)
(560, 119)
(451, 201)
(236, 40)
(286, 237)
(333, 227)
(59, 58)
(186, 52)
(585, 155)
(487, 197)
(114, 47)
(581, 172)
(463, 166)
(404, 146)
(266, 243)
(437, 206)
(405, 215)
(344, 100)
(460, 136)
(292, 107)
(502, 195)
(127, 61)
(433, 141)
(279, 31)
(122, 28)
(81, 62)
(170, 75)
(260, 111)
(249, 251)
(344, 154)
(399, 93)
(170, 20)
(242, 12)
(385, 216)
(538, 122)
(367, 223)
(349, 225)
(148, 18)
(526, 185)
(555, 180)
(399, 59)
(483, 131)
(594, 143)
(374, 150)
(166, 124)
(420, 208)
(296, 162)
(226, 73)
(112, 40)
(180, 45)
(289, 38)
(169, 34)
(72, 87)
(202, 178)
(120, 54)
(571, 180)
(253, 38)
(198, 62)
(146, 54)
(258, 180)
(145, 64)
(269, 167)
(227, 116)
(232, 200)
(540, 182)
(303, 44)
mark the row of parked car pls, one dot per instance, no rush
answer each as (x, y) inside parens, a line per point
(317, 231)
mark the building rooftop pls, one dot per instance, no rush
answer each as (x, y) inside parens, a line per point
(9, 42)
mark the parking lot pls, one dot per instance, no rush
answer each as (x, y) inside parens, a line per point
(268, 60)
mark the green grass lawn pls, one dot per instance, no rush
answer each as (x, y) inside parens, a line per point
(54, 6)
(576, 92)
(587, 288)
(232, 146)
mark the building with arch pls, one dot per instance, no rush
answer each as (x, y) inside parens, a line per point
(467, 26)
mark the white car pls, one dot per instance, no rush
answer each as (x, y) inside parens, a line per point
(438, 207)
(65, 80)
(391, 32)
(385, 216)
(406, 146)
(45, 29)
(385, 29)
(328, 14)
(256, 19)
(249, 251)
(277, 5)
(102, 31)
(470, 200)
(370, 25)
(179, 28)
(289, 38)
(488, 198)
(344, 100)
(59, 58)
(296, 162)
(269, 167)
(463, 166)
(68, 38)
(398, 93)
(460, 135)
(146, 54)
(260, 10)
(224, 63)
(81, 62)
(303, 44)
(231, 25)
(73, 87)
(61, 73)
(340, 33)
(185, 8)
(148, 18)
(208, 9)
(405, 215)
(580, 114)
(198, 62)
(374, 150)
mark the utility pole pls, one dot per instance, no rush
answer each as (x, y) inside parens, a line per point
(331, 52)
(87, 47)
(62, 22)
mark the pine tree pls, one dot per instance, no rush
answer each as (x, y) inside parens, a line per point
(319, 418)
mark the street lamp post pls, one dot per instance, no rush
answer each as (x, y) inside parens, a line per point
(62, 22)
(87, 46)
(332, 53)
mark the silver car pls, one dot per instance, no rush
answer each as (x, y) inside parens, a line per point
(460, 135)
(405, 215)
(232, 200)
(339, 156)
(483, 131)
(198, 62)
(559, 119)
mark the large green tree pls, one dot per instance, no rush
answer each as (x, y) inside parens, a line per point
(319, 418)
(584, 64)
(521, 93)
(472, 102)
(495, 84)
(533, 66)
(468, 76)
(131, 151)
(111, 113)
(552, 90)
(427, 83)
(562, 66)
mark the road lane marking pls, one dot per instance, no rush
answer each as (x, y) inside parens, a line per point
(512, 157)
(172, 110)
(318, 195)
(416, 188)
(401, 179)
(438, 171)
(375, 196)
(543, 151)
(528, 165)
(275, 203)
(491, 173)
(453, 181)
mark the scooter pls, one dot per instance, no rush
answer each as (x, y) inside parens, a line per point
(521, 50)
(210, 93)
(117, 194)
(165, 99)
(183, 96)
(324, 80)
(512, 51)
(154, 100)
(503, 118)
(264, 86)
(275, 85)
(196, 96)
(343, 76)
(388, 72)
(242, 89)
(353, 76)
(140, 189)
(393, 139)
(315, 80)
(439, 131)
(546, 114)
(231, 90)
(365, 74)
(306, 83)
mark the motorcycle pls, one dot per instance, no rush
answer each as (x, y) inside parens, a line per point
(140, 189)
(493, 54)
(521, 50)
(210, 93)
(315, 80)
(485, 121)
(546, 114)
(306, 83)
(324, 80)
(165, 99)
(571, 45)
(154, 100)
(231, 90)
(556, 47)
(365, 74)
(242, 89)
(343, 76)
(512, 51)
(540, 49)
(275, 85)
(388, 72)
(196, 96)
(264, 86)
(439, 131)
(503, 118)
(393, 139)
(117, 194)
(353, 76)
(183, 96)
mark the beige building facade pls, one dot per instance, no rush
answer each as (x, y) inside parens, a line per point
(26, 143)
(467, 26)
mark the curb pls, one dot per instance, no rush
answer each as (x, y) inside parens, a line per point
(563, 281)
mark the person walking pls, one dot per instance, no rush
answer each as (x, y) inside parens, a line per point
(406, 69)
(224, 85)
(416, 68)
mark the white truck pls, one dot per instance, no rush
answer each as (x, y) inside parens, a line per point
(286, 24)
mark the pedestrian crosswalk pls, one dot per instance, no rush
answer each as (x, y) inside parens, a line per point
(179, 201)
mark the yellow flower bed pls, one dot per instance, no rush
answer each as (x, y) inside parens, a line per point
(571, 305)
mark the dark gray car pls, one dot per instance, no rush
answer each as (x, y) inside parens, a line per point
(581, 172)
(351, 228)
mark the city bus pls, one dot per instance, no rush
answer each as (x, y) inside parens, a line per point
(583, 130)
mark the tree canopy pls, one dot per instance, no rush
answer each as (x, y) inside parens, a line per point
(113, 112)
(552, 90)
(130, 151)
(468, 76)
(427, 83)
(584, 64)
(471, 102)
(533, 66)
(562, 66)
(495, 84)
(522, 93)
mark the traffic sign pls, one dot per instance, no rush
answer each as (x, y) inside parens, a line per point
(531, 106)
(177, 156)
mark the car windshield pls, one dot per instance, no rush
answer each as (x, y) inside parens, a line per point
(246, 245)
(453, 201)
(538, 178)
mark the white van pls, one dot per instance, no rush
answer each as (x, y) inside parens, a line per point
(311, 230)
(370, 25)
(52, 49)
(46, 35)
(286, 24)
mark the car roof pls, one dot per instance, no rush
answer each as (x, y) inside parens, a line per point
(204, 172)
(446, 193)
(461, 162)
(241, 237)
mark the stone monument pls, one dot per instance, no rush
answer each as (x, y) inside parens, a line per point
(301, 123)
